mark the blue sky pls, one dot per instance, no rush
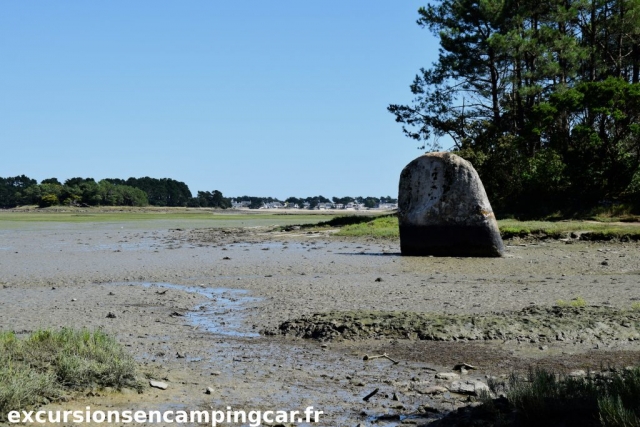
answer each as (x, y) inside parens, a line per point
(267, 98)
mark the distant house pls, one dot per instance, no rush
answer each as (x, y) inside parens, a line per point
(273, 205)
(387, 206)
(240, 204)
(306, 205)
(324, 206)
(354, 206)
(292, 206)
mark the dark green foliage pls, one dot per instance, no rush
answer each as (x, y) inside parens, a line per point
(342, 200)
(161, 192)
(214, 199)
(11, 189)
(50, 181)
(542, 97)
(82, 192)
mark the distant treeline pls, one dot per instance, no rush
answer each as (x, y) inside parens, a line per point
(22, 190)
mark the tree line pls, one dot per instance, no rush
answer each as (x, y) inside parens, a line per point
(542, 96)
(22, 190)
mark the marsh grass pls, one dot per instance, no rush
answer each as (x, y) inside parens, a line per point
(382, 226)
(387, 227)
(594, 230)
(544, 398)
(47, 364)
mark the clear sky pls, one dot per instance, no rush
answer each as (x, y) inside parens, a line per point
(264, 98)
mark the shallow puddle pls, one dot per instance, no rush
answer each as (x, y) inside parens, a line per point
(223, 314)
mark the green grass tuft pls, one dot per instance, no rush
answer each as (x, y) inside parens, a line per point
(576, 302)
(383, 226)
(47, 364)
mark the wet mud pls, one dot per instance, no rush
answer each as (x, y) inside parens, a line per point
(534, 324)
(189, 304)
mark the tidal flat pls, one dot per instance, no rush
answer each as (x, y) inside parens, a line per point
(199, 303)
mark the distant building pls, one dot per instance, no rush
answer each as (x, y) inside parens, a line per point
(324, 206)
(387, 206)
(241, 204)
(272, 205)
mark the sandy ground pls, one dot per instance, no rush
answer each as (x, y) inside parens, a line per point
(190, 304)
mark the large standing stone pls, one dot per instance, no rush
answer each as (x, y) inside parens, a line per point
(443, 209)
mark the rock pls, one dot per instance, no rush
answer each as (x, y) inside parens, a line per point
(209, 390)
(447, 376)
(465, 366)
(158, 384)
(443, 209)
(434, 389)
(468, 387)
(111, 315)
(578, 373)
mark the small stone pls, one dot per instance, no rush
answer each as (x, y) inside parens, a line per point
(447, 376)
(468, 387)
(544, 347)
(216, 373)
(73, 299)
(158, 384)
(111, 315)
(434, 389)
(209, 390)
(180, 355)
(604, 263)
(379, 279)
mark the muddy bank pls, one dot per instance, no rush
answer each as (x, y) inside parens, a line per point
(533, 324)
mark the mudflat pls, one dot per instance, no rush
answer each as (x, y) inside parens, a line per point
(206, 307)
